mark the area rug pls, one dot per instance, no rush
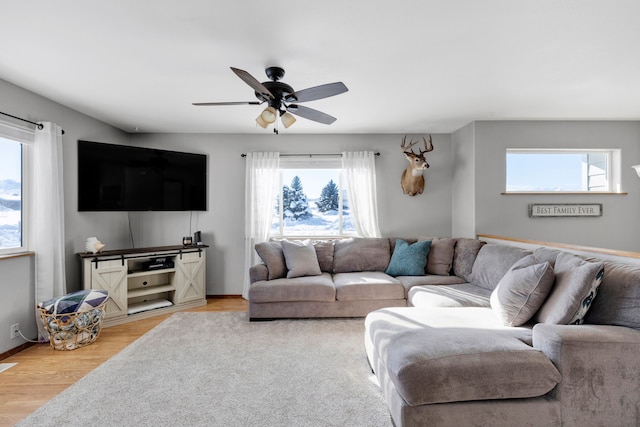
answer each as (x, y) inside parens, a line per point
(219, 369)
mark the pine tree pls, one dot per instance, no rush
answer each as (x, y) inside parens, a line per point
(328, 198)
(296, 207)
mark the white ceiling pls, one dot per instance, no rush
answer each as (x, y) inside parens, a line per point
(410, 66)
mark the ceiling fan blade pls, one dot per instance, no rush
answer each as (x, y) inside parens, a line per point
(317, 92)
(251, 81)
(200, 104)
(311, 114)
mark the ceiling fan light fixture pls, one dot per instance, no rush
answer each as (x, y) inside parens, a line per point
(260, 121)
(287, 120)
(269, 115)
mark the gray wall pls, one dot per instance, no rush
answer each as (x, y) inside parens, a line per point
(507, 215)
(17, 274)
(463, 206)
(223, 224)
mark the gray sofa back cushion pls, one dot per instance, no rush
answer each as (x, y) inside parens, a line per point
(464, 255)
(492, 263)
(369, 254)
(618, 300)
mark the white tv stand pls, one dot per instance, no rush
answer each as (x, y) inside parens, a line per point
(137, 291)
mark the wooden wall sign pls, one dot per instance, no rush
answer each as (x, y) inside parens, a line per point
(564, 209)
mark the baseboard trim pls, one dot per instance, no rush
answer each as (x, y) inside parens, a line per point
(225, 296)
(16, 350)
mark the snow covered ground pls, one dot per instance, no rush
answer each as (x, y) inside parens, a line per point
(320, 224)
(9, 227)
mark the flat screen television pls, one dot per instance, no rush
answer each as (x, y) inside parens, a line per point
(115, 177)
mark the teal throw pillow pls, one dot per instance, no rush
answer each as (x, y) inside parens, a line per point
(409, 260)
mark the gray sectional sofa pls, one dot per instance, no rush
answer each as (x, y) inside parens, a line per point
(351, 280)
(491, 334)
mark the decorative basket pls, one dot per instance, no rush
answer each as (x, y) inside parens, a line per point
(69, 331)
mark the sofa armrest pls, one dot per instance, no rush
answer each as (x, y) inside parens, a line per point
(258, 272)
(600, 371)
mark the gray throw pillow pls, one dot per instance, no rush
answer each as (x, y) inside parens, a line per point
(440, 257)
(522, 291)
(324, 252)
(577, 282)
(301, 258)
(273, 257)
(465, 252)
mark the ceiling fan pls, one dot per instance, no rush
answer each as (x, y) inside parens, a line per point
(283, 100)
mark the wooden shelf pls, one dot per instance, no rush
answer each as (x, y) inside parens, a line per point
(151, 272)
(140, 292)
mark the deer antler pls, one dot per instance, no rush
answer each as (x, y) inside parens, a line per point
(411, 144)
(429, 148)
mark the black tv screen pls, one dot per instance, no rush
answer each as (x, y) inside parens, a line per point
(115, 177)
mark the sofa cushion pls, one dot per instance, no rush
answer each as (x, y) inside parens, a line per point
(307, 288)
(492, 263)
(324, 252)
(457, 354)
(464, 255)
(273, 257)
(463, 295)
(301, 258)
(522, 290)
(576, 286)
(409, 259)
(440, 257)
(544, 254)
(358, 254)
(367, 285)
(618, 301)
(428, 279)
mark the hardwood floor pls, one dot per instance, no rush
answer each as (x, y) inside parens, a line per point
(42, 373)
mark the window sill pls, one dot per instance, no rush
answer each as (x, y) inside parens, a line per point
(565, 193)
(17, 255)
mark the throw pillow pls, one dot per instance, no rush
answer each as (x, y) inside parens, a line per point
(577, 282)
(273, 257)
(465, 253)
(301, 258)
(324, 252)
(522, 291)
(409, 260)
(440, 258)
(75, 302)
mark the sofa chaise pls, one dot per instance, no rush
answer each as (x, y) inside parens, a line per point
(537, 338)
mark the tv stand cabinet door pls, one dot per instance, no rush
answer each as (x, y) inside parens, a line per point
(111, 276)
(190, 277)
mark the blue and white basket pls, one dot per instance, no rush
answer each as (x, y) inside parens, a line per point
(74, 320)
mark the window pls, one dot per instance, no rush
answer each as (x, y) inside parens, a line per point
(561, 171)
(312, 201)
(12, 195)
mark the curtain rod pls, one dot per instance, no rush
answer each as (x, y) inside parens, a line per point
(38, 125)
(377, 153)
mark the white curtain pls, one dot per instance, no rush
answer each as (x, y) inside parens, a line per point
(261, 186)
(48, 215)
(359, 168)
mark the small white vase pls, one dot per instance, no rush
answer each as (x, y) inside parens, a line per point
(93, 245)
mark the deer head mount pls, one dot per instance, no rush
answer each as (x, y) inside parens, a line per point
(412, 180)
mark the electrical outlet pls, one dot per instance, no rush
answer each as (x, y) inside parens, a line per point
(15, 330)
